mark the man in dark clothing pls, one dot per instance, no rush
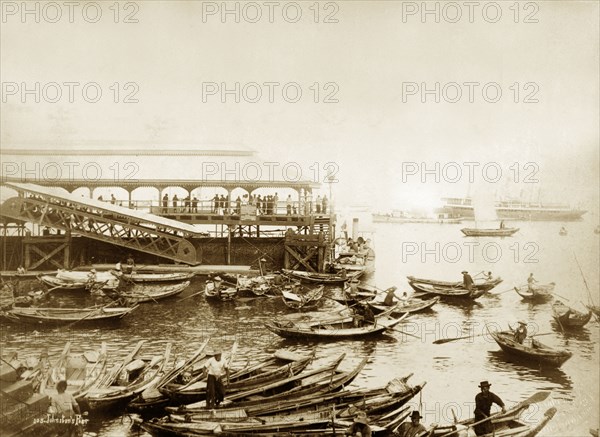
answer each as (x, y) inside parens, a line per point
(467, 281)
(483, 404)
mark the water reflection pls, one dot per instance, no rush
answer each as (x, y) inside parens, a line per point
(527, 370)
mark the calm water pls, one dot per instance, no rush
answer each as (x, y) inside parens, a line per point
(452, 370)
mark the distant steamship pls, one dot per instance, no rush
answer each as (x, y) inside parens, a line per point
(513, 210)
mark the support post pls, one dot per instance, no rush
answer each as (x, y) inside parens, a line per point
(229, 230)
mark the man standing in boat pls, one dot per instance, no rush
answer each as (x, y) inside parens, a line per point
(468, 282)
(521, 332)
(216, 368)
(530, 281)
(483, 405)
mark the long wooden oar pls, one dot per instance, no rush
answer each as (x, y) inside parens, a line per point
(448, 340)
(91, 313)
(506, 291)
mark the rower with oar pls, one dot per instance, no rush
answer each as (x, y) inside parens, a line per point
(483, 405)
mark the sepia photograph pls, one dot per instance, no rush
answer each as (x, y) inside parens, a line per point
(300, 218)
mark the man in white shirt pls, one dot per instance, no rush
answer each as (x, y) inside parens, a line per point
(216, 368)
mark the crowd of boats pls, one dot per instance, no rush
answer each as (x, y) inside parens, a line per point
(280, 393)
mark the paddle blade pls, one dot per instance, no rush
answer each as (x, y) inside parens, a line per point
(540, 396)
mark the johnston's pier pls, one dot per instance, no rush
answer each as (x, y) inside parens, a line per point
(53, 222)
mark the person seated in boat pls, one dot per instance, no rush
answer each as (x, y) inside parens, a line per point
(521, 332)
(218, 282)
(343, 274)
(502, 224)
(364, 315)
(413, 428)
(530, 281)
(353, 292)
(216, 369)
(483, 405)
(92, 277)
(63, 403)
(489, 276)
(360, 427)
(277, 279)
(20, 270)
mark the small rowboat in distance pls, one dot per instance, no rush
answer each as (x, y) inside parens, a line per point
(59, 316)
(151, 293)
(323, 278)
(568, 318)
(225, 293)
(538, 293)
(531, 350)
(447, 292)
(332, 330)
(406, 307)
(54, 282)
(157, 277)
(475, 232)
(480, 284)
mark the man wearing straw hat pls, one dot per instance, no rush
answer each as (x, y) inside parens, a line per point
(360, 427)
(483, 404)
(216, 368)
(412, 428)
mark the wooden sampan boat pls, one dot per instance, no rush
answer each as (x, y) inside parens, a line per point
(568, 318)
(531, 349)
(538, 293)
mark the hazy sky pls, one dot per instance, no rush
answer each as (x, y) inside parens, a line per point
(370, 60)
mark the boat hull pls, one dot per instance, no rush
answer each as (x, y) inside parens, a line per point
(568, 318)
(446, 292)
(536, 355)
(474, 232)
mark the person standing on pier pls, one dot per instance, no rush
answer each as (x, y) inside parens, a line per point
(216, 368)
(325, 203)
(483, 404)
(175, 200)
(288, 205)
(195, 204)
(165, 202)
(318, 204)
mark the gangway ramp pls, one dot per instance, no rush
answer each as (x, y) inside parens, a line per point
(57, 208)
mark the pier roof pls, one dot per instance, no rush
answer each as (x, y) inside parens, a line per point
(130, 168)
